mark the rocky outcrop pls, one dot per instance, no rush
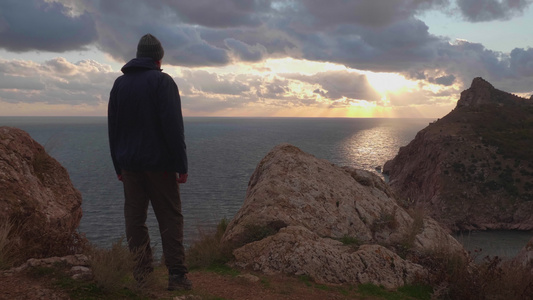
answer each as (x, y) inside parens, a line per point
(78, 265)
(481, 92)
(38, 199)
(297, 250)
(472, 169)
(306, 216)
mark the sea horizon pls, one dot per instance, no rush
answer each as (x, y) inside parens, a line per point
(223, 153)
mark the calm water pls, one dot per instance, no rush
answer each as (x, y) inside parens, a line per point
(223, 153)
(503, 243)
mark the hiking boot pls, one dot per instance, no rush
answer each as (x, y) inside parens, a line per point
(178, 282)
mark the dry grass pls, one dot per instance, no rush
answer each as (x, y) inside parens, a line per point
(457, 277)
(112, 268)
(418, 214)
(209, 250)
(19, 242)
(6, 245)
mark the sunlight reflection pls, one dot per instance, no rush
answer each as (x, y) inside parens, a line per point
(371, 148)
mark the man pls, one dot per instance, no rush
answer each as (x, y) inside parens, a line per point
(148, 150)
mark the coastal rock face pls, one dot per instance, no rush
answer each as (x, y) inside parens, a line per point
(328, 222)
(472, 169)
(37, 197)
(525, 257)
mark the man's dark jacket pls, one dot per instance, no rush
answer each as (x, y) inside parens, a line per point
(145, 122)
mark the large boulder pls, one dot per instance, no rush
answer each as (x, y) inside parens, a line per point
(38, 200)
(329, 222)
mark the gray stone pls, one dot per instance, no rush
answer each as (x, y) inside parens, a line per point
(307, 205)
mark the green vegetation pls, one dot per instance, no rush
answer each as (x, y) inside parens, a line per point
(83, 289)
(406, 292)
(254, 232)
(209, 251)
(510, 132)
(350, 241)
(497, 154)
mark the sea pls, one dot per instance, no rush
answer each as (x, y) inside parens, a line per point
(222, 154)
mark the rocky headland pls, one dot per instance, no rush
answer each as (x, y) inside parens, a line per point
(472, 169)
(307, 216)
(38, 201)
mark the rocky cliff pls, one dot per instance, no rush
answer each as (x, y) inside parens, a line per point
(472, 169)
(306, 216)
(37, 198)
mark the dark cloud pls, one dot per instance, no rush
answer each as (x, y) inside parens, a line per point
(222, 14)
(55, 82)
(391, 48)
(276, 89)
(320, 92)
(336, 85)
(469, 60)
(379, 36)
(489, 10)
(211, 83)
(198, 33)
(37, 25)
(447, 80)
(183, 44)
(246, 52)
(369, 13)
(521, 62)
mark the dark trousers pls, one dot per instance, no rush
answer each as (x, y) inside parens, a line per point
(162, 190)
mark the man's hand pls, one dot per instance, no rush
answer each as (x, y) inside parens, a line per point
(182, 178)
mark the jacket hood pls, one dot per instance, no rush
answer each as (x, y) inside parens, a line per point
(138, 64)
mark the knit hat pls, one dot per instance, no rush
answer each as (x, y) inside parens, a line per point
(149, 46)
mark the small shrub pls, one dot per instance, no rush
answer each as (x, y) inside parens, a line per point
(41, 164)
(209, 251)
(385, 220)
(254, 232)
(111, 267)
(418, 214)
(6, 245)
(350, 241)
(462, 278)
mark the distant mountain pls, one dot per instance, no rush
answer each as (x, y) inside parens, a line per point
(472, 169)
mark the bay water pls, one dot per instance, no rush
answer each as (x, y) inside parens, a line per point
(223, 153)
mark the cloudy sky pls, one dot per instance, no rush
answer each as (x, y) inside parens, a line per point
(291, 58)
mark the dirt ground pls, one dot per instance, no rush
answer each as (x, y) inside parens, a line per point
(206, 286)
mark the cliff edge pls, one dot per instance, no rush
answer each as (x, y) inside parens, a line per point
(472, 169)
